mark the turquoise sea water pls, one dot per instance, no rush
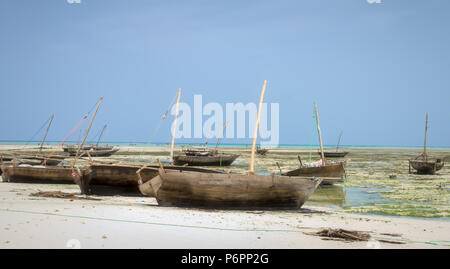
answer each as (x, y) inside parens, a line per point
(144, 144)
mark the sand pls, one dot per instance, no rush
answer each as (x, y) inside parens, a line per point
(138, 222)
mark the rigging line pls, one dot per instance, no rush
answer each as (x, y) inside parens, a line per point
(43, 125)
(312, 135)
(160, 122)
(67, 137)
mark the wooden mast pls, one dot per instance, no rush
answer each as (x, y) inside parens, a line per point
(46, 132)
(174, 126)
(104, 127)
(223, 131)
(425, 142)
(339, 141)
(255, 133)
(87, 132)
(320, 134)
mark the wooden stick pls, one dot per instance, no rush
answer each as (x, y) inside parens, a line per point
(425, 142)
(46, 132)
(87, 132)
(223, 131)
(104, 127)
(320, 134)
(339, 141)
(279, 168)
(174, 126)
(255, 133)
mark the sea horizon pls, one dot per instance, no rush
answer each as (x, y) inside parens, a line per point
(232, 145)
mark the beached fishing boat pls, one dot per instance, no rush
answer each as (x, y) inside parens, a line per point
(36, 159)
(337, 153)
(261, 151)
(226, 190)
(42, 174)
(331, 154)
(331, 171)
(196, 189)
(422, 163)
(126, 175)
(198, 151)
(94, 151)
(218, 159)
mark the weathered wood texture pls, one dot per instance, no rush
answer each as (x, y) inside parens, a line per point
(331, 172)
(125, 174)
(193, 189)
(426, 167)
(334, 154)
(13, 173)
(216, 160)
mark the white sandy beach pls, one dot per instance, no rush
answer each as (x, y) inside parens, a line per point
(137, 222)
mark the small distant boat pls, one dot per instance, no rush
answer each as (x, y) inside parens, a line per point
(337, 153)
(218, 159)
(198, 151)
(331, 154)
(422, 164)
(330, 171)
(94, 151)
(261, 151)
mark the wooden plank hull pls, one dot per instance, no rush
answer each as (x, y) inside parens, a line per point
(125, 175)
(42, 174)
(96, 153)
(331, 173)
(232, 191)
(216, 160)
(334, 154)
(426, 167)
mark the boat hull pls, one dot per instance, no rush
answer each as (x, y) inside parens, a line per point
(426, 167)
(125, 175)
(96, 153)
(332, 154)
(330, 173)
(216, 160)
(231, 191)
(43, 174)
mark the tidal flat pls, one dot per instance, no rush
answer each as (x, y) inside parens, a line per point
(378, 179)
(379, 196)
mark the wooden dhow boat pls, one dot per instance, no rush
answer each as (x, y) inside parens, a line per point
(94, 151)
(128, 175)
(337, 153)
(261, 151)
(218, 159)
(331, 171)
(422, 163)
(196, 189)
(44, 173)
(226, 190)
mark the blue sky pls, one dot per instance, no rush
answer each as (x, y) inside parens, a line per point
(373, 69)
